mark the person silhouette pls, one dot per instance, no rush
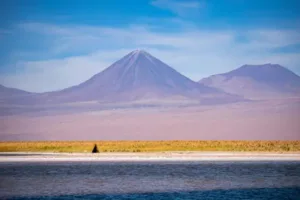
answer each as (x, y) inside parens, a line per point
(95, 149)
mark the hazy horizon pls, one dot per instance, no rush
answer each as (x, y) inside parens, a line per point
(84, 57)
(70, 42)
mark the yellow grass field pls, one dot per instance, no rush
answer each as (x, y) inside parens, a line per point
(151, 146)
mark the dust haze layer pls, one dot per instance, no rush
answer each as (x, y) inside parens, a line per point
(257, 82)
(259, 120)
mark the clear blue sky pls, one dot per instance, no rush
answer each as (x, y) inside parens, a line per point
(49, 45)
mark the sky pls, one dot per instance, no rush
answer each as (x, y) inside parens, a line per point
(52, 44)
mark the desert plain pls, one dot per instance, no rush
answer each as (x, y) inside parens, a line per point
(276, 119)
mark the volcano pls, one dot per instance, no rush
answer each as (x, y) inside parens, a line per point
(138, 76)
(257, 82)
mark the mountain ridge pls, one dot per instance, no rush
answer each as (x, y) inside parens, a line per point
(138, 75)
(257, 81)
(10, 92)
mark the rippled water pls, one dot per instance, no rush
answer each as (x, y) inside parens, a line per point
(150, 180)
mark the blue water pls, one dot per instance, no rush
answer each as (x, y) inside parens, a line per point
(150, 180)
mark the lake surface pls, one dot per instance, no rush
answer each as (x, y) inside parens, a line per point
(150, 180)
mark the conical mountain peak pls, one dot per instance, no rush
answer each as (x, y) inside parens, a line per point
(139, 51)
(138, 75)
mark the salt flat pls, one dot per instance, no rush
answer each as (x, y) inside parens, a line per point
(160, 156)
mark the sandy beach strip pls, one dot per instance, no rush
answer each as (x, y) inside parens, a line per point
(160, 156)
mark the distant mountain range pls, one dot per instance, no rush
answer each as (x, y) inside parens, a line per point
(140, 76)
(257, 82)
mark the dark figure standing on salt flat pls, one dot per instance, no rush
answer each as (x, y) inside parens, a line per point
(95, 149)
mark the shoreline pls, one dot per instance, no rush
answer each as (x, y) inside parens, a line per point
(136, 157)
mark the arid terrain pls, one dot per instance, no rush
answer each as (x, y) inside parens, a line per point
(260, 120)
(139, 97)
